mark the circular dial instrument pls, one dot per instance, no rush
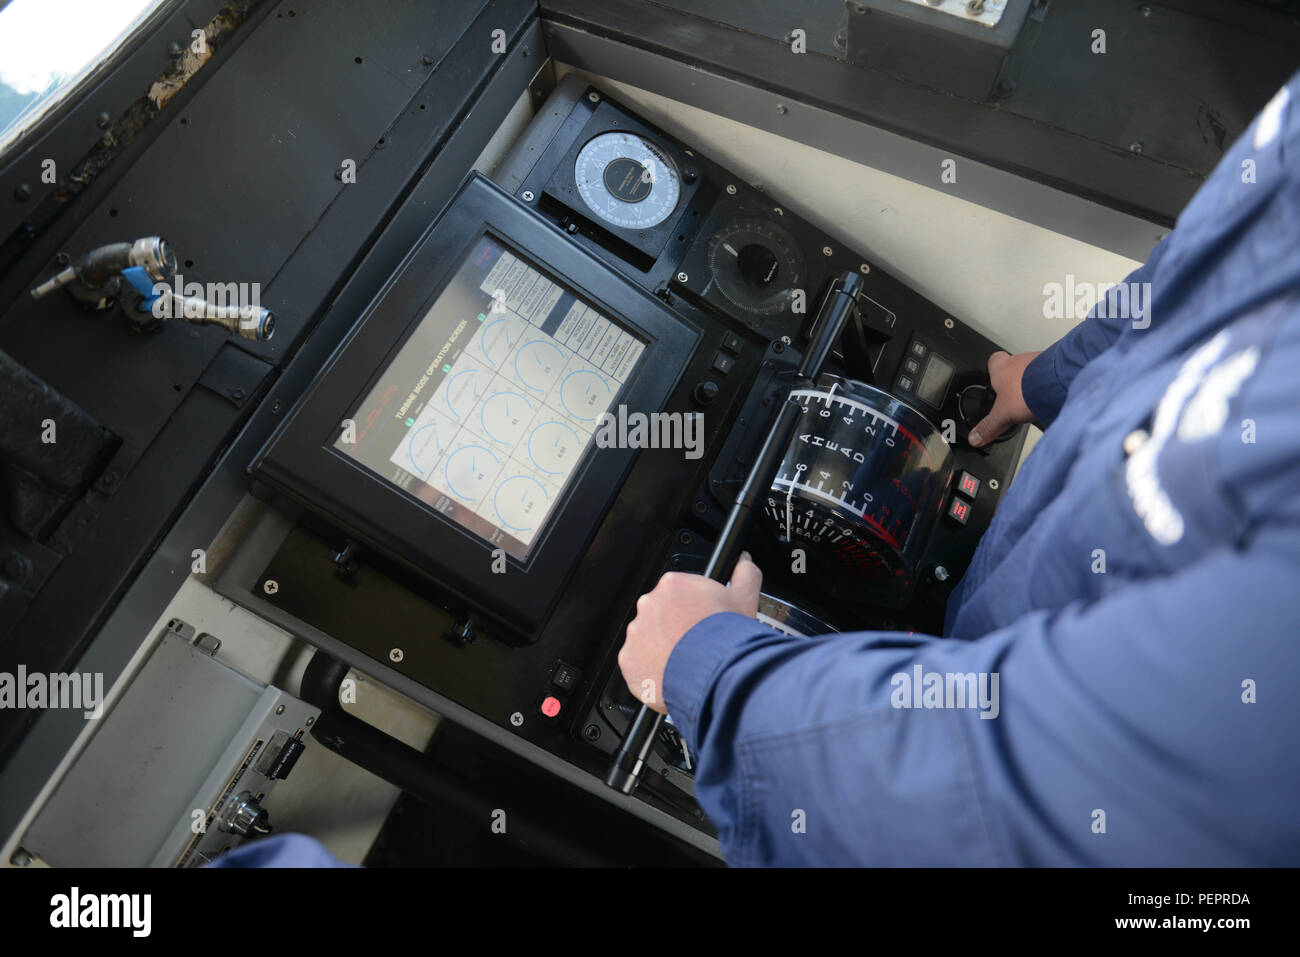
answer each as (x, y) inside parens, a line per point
(469, 471)
(423, 446)
(518, 502)
(585, 394)
(860, 489)
(538, 364)
(756, 264)
(461, 391)
(554, 447)
(627, 180)
(499, 336)
(505, 415)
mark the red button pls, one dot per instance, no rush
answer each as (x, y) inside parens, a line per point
(551, 706)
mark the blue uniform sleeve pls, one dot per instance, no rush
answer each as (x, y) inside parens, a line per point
(283, 850)
(1047, 379)
(1152, 727)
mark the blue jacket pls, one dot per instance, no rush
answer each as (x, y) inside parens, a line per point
(1137, 597)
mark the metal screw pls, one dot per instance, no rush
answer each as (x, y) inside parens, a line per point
(780, 108)
(595, 98)
(516, 719)
(682, 277)
(396, 654)
(280, 709)
(1135, 146)
(948, 323)
(731, 189)
(271, 587)
(310, 722)
(21, 858)
(785, 340)
(826, 250)
(778, 210)
(527, 195)
(1145, 11)
(427, 60)
(974, 7)
(941, 573)
(103, 121)
(591, 732)
(236, 393)
(864, 269)
(994, 484)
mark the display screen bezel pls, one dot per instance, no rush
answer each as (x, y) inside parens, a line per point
(301, 462)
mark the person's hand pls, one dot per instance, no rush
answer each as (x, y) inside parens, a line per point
(1009, 407)
(678, 603)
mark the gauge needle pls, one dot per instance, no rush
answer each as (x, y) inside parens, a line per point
(728, 248)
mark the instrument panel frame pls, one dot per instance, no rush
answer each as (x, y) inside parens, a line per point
(300, 462)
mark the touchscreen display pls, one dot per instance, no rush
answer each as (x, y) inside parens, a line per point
(490, 406)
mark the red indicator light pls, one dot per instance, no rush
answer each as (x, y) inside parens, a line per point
(959, 510)
(968, 484)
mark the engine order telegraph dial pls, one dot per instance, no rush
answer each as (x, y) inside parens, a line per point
(860, 489)
(756, 264)
(627, 180)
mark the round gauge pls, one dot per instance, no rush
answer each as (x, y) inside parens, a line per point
(499, 336)
(469, 472)
(538, 364)
(504, 416)
(627, 180)
(756, 265)
(462, 390)
(554, 447)
(860, 488)
(423, 446)
(585, 394)
(519, 501)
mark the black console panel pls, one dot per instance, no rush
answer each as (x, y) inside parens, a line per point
(556, 398)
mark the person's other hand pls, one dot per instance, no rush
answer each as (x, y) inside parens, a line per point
(678, 603)
(1009, 407)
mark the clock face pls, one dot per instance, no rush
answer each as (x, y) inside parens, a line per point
(626, 180)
